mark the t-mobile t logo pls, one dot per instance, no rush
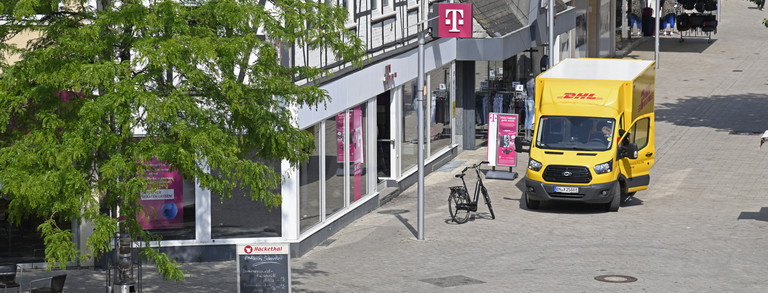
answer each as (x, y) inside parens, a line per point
(454, 17)
(455, 20)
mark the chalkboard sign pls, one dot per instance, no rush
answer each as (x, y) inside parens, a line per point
(263, 268)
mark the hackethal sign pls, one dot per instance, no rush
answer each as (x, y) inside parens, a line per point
(454, 20)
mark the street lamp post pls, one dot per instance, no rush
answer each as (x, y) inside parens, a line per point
(420, 116)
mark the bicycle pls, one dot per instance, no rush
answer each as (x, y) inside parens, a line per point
(459, 203)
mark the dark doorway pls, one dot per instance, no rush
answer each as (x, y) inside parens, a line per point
(384, 141)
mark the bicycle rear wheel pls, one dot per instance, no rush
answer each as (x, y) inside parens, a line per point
(457, 206)
(488, 202)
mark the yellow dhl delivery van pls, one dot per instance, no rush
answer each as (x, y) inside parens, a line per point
(593, 134)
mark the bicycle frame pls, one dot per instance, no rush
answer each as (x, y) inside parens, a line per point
(472, 205)
(460, 200)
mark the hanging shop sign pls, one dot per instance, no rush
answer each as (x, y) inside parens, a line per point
(454, 20)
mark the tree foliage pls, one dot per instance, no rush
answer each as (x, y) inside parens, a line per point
(196, 84)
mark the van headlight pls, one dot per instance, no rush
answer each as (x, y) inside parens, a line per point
(534, 165)
(604, 167)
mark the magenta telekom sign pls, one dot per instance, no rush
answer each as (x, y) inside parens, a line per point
(454, 20)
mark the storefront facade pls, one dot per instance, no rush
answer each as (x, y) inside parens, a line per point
(366, 136)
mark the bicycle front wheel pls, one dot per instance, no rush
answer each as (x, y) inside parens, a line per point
(457, 206)
(488, 202)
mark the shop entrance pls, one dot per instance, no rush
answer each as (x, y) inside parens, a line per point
(384, 141)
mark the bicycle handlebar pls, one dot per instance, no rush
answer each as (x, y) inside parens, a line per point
(467, 168)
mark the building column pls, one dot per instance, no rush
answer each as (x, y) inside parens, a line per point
(465, 104)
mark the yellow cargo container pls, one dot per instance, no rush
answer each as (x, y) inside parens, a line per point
(593, 133)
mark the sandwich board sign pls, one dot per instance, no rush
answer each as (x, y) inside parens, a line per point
(263, 268)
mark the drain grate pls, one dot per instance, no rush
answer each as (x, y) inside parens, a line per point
(450, 166)
(327, 242)
(738, 70)
(616, 279)
(452, 281)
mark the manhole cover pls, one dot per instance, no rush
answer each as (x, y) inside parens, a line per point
(616, 279)
(452, 281)
(448, 167)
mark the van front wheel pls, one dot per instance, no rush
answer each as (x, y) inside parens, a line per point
(613, 206)
(530, 203)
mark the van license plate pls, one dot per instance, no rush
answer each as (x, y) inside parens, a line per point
(563, 189)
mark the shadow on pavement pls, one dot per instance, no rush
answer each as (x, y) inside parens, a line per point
(690, 44)
(309, 270)
(692, 111)
(762, 215)
(400, 218)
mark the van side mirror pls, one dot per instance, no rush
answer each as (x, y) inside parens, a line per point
(522, 145)
(628, 150)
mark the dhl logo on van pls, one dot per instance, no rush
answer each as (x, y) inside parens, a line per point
(646, 97)
(579, 96)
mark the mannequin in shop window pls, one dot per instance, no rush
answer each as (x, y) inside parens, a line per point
(529, 101)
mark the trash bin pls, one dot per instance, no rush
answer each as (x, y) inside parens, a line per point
(648, 21)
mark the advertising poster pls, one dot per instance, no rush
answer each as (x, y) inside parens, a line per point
(505, 154)
(340, 138)
(357, 150)
(165, 206)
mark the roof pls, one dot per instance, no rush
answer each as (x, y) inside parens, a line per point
(597, 68)
(500, 17)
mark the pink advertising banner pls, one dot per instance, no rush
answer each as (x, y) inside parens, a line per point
(357, 150)
(165, 206)
(340, 138)
(505, 154)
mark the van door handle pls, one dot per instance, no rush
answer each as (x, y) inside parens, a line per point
(649, 154)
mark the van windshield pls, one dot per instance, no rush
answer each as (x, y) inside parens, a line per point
(575, 133)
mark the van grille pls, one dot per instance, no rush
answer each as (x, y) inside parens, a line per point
(578, 174)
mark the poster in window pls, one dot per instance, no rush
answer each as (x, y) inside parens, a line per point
(357, 150)
(164, 207)
(340, 138)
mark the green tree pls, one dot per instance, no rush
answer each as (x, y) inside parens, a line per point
(199, 81)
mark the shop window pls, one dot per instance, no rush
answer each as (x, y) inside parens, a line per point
(240, 217)
(334, 162)
(409, 125)
(22, 241)
(173, 217)
(309, 190)
(358, 175)
(440, 109)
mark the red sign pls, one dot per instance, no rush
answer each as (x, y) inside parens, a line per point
(389, 77)
(248, 249)
(646, 97)
(454, 20)
(580, 96)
